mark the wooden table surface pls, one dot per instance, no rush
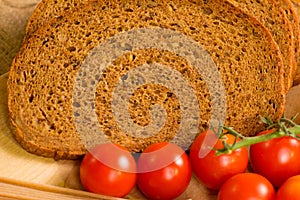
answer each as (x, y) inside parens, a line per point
(32, 175)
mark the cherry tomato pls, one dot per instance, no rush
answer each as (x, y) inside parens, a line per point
(213, 170)
(276, 159)
(247, 186)
(109, 170)
(289, 189)
(164, 171)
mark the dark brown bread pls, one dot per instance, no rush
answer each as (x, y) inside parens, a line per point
(44, 74)
(276, 21)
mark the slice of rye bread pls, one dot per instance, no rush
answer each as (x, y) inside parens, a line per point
(46, 10)
(43, 74)
(291, 14)
(275, 20)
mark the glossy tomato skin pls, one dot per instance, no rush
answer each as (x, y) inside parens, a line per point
(108, 170)
(214, 170)
(290, 189)
(164, 171)
(246, 186)
(276, 159)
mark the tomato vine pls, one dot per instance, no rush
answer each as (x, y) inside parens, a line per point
(282, 127)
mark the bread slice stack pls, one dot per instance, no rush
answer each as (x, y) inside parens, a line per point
(270, 14)
(83, 76)
(290, 10)
(296, 6)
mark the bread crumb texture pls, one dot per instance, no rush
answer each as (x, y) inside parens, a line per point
(43, 74)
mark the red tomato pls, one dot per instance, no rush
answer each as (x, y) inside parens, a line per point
(247, 186)
(276, 159)
(109, 170)
(164, 171)
(290, 189)
(214, 170)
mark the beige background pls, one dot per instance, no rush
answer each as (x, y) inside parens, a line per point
(13, 18)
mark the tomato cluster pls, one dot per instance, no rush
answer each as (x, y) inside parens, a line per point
(273, 172)
(274, 165)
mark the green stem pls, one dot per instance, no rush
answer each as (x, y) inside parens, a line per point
(247, 141)
(289, 121)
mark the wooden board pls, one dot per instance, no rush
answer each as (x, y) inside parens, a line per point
(28, 176)
(22, 171)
